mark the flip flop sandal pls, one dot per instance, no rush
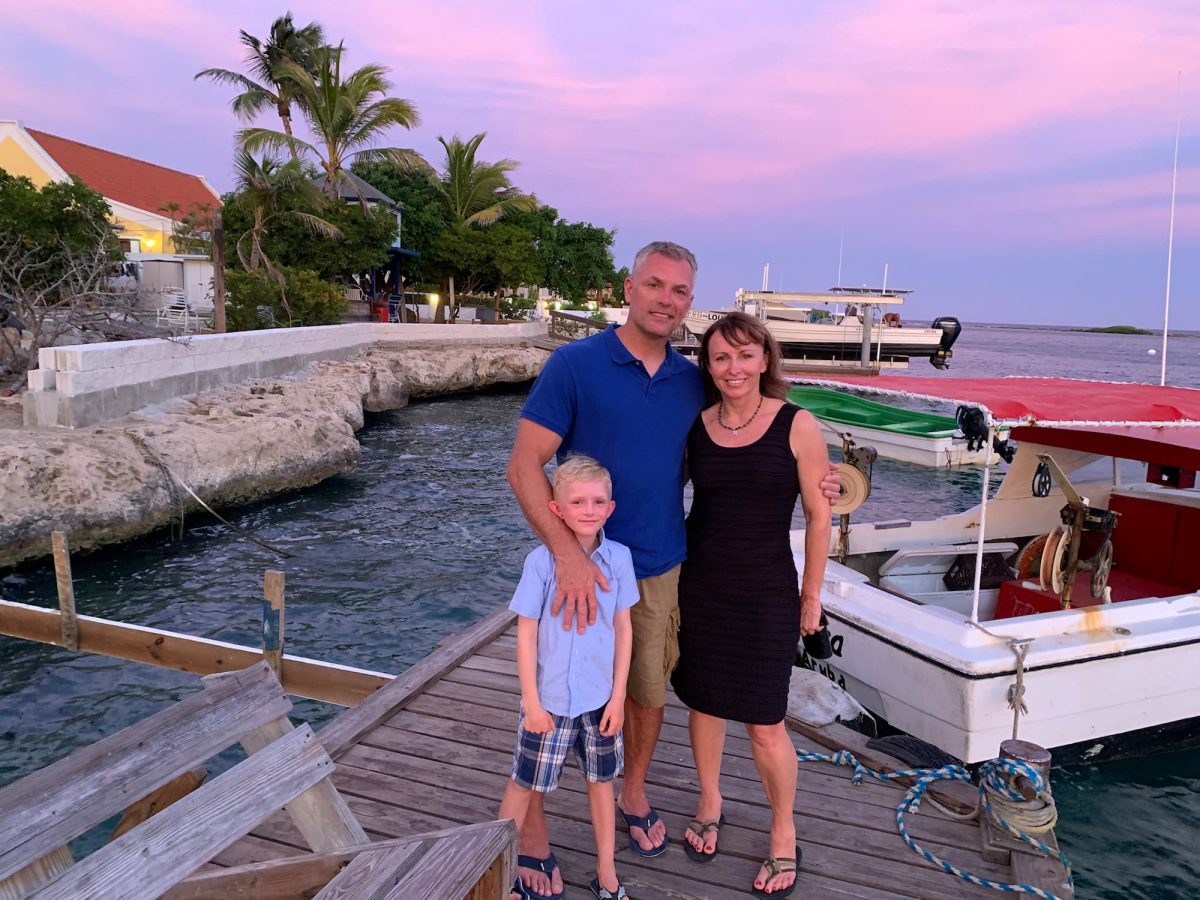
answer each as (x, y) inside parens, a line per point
(546, 867)
(606, 894)
(701, 830)
(520, 890)
(778, 865)
(645, 823)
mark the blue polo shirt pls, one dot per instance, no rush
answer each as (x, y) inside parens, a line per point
(601, 401)
(575, 671)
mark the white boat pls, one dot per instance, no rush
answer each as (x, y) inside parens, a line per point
(815, 340)
(1097, 638)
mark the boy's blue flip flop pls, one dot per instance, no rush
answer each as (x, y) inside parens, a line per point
(546, 867)
(645, 823)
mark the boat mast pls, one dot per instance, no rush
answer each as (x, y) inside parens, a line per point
(766, 286)
(1171, 236)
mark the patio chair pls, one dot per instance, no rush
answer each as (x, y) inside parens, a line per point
(177, 313)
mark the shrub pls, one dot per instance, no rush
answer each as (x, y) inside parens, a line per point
(257, 301)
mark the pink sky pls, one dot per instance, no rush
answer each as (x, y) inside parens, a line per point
(1007, 161)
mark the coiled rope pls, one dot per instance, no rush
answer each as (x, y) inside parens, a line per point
(1001, 801)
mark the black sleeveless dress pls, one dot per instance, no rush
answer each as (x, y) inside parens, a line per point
(739, 595)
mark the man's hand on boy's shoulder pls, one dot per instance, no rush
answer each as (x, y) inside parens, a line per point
(576, 578)
(614, 716)
(538, 721)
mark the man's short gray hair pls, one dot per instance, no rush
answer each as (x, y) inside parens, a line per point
(669, 249)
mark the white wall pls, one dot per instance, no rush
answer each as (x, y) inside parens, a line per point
(89, 383)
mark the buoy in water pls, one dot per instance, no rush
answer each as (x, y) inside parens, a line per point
(1152, 352)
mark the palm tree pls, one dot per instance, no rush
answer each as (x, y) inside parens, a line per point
(263, 187)
(346, 115)
(265, 85)
(476, 194)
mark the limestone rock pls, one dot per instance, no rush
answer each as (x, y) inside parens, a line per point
(111, 483)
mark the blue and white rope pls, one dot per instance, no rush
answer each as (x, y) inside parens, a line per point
(997, 775)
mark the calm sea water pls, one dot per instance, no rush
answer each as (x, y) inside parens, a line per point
(424, 539)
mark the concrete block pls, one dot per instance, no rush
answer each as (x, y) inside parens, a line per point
(47, 358)
(40, 379)
(40, 410)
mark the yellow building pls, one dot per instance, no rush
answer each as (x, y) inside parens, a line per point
(145, 199)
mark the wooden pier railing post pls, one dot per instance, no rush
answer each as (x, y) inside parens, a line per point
(273, 621)
(66, 591)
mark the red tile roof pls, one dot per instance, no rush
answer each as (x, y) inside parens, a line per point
(127, 180)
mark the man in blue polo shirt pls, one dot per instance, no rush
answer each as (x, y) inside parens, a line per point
(627, 399)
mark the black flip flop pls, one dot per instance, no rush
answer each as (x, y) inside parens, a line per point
(705, 827)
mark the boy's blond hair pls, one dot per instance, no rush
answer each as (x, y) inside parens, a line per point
(580, 468)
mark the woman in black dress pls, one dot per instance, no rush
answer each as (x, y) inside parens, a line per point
(750, 455)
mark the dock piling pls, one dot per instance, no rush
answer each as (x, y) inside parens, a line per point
(66, 591)
(273, 621)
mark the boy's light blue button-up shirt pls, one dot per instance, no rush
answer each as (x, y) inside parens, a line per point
(575, 671)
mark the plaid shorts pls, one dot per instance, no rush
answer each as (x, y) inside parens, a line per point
(538, 758)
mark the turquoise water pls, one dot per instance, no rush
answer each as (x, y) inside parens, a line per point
(424, 538)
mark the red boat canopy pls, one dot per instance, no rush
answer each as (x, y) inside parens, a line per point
(1164, 446)
(1044, 401)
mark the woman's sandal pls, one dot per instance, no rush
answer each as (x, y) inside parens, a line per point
(775, 866)
(701, 829)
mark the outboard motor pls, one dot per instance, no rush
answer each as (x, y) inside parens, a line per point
(951, 329)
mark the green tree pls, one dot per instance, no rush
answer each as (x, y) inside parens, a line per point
(488, 259)
(425, 216)
(576, 256)
(59, 216)
(347, 116)
(266, 85)
(264, 191)
(289, 241)
(57, 255)
(474, 194)
(301, 298)
(191, 229)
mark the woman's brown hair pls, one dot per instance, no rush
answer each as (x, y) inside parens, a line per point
(740, 329)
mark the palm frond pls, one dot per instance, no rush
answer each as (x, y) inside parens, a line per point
(256, 139)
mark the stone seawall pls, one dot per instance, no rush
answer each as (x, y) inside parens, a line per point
(109, 483)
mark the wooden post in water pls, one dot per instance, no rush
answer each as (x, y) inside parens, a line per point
(66, 591)
(273, 621)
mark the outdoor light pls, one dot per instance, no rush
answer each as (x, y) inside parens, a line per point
(149, 242)
(434, 299)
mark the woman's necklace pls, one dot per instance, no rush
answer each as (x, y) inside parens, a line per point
(734, 429)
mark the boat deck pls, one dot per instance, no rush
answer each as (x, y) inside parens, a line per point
(439, 756)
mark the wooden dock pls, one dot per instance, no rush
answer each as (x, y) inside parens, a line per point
(432, 750)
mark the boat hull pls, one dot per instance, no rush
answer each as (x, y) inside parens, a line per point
(825, 341)
(1090, 674)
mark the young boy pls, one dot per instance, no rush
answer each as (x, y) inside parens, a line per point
(573, 685)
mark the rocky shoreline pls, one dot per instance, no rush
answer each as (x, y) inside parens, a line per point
(111, 483)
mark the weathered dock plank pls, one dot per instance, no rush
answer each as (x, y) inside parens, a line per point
(436, 754)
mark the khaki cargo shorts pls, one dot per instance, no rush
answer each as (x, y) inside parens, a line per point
(655, 619)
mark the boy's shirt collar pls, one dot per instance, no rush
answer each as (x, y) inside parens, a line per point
(603, 550)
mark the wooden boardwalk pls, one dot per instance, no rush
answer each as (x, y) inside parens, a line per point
(438, 751)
